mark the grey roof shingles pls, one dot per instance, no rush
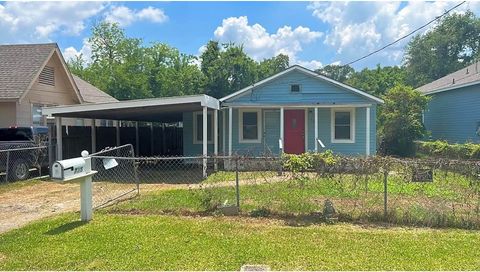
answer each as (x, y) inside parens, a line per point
(19, 63)
(18, 66)
(467, 75)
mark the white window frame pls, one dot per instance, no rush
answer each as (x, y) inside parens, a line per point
(209, 115)
(352, 126)
(240, 126)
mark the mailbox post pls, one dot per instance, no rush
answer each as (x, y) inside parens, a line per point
(78, 170)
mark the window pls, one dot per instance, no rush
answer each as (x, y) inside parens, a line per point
(343, 126)
(250, 126)
(295, 88)
(198, 128)
(37, 117)
(47, 76)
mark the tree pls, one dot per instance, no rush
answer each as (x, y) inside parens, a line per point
(377, 81)
(402, 120)
(336, 72)
(272, 66)
(453, 44)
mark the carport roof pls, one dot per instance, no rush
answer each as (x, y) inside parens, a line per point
(165, 109)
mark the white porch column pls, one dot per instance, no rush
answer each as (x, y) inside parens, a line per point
(282, 124)
(117, 132)
(205, 140)
(230, 121)
(58, 127)
(94, 136)
(137, 140)
(224, 116)
(316, 129)
(367, 132)
(215, 137)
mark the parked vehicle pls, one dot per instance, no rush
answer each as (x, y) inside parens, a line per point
(21, 150)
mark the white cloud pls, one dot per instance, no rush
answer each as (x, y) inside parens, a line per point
(39, 21)
(357, 28)
(86, 52)
(260, 44)
(125, 16)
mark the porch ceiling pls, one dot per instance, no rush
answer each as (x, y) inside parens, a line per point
(168, 109)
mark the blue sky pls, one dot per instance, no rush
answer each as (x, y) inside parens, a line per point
(311, 33)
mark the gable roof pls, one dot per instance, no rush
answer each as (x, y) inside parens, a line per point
(467, 76)
(19, 66)
(90, 93)
(307, 72)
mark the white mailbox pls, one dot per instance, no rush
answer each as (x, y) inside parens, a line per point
(78, 170)
(68, 170)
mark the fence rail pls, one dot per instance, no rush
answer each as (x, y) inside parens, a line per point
(21, 163)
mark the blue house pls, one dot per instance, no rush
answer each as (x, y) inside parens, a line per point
(453, 112)
(294, 111)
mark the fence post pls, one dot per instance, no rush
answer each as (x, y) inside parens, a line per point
(385, 194)
(237, 185)
(7, 166)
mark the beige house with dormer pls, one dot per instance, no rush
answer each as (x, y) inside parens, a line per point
(33, 76)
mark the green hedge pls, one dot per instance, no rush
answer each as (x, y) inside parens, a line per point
(445, 150)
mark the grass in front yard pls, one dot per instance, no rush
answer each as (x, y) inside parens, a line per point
(126, 242)
(447, 202)
(9, 186)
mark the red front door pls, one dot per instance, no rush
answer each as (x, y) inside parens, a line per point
(294, 131)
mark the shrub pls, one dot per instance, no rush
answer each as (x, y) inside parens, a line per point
(442, 149)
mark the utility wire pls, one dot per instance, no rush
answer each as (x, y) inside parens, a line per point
(405, 36)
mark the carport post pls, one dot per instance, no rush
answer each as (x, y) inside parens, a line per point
(58, 127)
(151, 139)
(205, 140)
(316, 129)
(215, 138)
(94, 136)
(230, 118)
(117, 132)
(137, 140)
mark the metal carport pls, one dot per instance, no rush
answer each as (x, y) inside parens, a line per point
(167, 109)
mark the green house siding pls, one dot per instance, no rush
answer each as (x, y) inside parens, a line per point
(454, 115)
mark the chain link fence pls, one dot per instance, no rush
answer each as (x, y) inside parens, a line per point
(116, 178)
(23, 161)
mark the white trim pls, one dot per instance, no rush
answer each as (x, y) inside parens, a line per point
(195, 124)
(299, 106)
(204, 100)
(308, 72)
(352, 126)
(230, 134)
(450, 88)
(215, 132)
(367, 131)
(259, 126)
(224, 116)
(305, 132)
(316, 128)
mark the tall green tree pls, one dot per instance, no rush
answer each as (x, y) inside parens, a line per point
(271, 66)
(339, 73)
(377, 81)
(402, 120)
(451, 45)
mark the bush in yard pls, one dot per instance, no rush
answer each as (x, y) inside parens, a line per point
(402, 121)
(442, 149)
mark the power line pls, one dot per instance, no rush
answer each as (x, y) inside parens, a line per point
(405, 36)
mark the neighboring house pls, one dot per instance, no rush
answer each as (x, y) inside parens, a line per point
(296, 110)
(36, 75)
(453, 113)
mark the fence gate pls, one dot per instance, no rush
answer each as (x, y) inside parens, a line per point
(117, 177)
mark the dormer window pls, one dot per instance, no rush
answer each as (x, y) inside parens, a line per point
(47, 76)
(295, 88)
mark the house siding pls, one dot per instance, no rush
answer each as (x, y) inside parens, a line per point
(454, 115)
(7, 114)
(312, 91)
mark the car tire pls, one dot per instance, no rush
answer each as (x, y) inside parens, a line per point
(19, 170)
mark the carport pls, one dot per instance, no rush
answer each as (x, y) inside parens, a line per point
(168, 109)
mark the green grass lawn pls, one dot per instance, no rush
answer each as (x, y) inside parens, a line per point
(450, 201)
(154, 242)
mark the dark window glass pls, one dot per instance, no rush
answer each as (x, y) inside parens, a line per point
(295, 88)
(200, 127)
(342, 125)
(250, 127)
